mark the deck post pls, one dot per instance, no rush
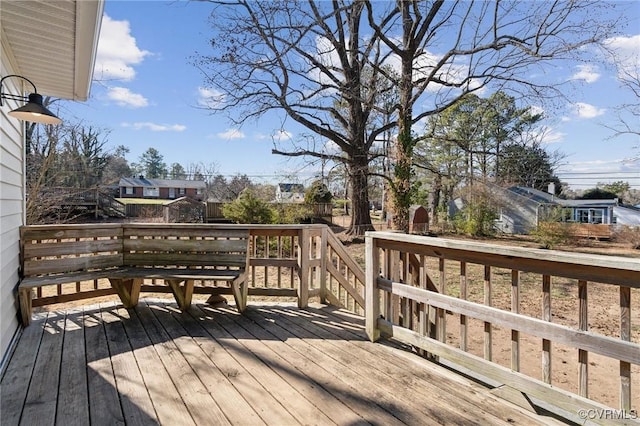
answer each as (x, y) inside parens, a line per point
(372, 294)
(303, 289)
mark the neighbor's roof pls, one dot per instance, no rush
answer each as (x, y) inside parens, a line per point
(162, 183)
(541, 197)
(627, 215)
(53, 43)
(291, 187)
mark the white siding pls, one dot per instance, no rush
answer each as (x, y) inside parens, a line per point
(11, 205)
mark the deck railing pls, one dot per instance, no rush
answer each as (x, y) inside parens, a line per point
(462, 304)
(294, 261)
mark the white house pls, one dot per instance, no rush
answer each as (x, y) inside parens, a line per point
(290, 193)
(53, 45)
(521, 208)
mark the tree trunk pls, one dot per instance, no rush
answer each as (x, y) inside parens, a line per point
(436, 189)
(401, 188)
(402, 181)
(360, 215)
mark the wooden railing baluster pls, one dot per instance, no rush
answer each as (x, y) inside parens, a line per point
(625, 334)
(463, 296)
(488, 333)
(515, 308)
(441, 314)
(546, 315)
(583, 324)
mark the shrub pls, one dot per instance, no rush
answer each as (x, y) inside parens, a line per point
(477, 217)
(476, 220)
(247, 208)
(629, 235)
(318, 193)
(550, 234)
(294, 213)
(552, 229)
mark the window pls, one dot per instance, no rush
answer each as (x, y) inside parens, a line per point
(199, 191)
(128, 190)
(181, 191)
(582, 216)
(172, 193)
(590, 215)
(150, 192)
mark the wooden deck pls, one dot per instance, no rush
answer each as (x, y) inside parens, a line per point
(276, 365)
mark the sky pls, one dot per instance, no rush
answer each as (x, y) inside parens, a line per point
(147, 93)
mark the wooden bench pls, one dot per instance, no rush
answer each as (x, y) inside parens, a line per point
(127, 254)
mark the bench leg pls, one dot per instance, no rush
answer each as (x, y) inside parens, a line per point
(25, 295)
(128, 290)
(182, 294)
(240, 292)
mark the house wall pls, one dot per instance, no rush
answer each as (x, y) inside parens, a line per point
(517, 216)
(138, 192)
(11, 203)
(189, 192)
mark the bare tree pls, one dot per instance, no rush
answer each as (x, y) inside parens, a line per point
(628, 70)
(448, 49)
(326, 64)
(306, 59)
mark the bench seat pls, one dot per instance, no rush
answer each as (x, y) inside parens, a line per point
(127, 254)
(67, 277)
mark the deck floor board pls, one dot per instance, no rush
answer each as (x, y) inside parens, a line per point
(276, 365)
(263, 402)
(470, 404)
(166, 399)
(16, 380)
(73, 397)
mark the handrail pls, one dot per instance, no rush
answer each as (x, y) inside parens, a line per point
(417, 285)
(348, 275)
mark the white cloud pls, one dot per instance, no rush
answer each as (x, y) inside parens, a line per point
(156, 127)
(124, 97)
(281, 135)
(545, 135)
(625, 52)
(117, 51)
(231, 134)
(210, 98)
(584, 110)
(548, 135)
(535, 110)
(587, 73)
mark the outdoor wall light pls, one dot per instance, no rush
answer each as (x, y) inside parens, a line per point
(33, 111)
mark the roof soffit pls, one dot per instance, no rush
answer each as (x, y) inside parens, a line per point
(54, 43)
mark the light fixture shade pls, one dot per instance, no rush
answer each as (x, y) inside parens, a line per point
(35, 112)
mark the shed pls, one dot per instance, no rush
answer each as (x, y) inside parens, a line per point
(418, 219)
(184, 210)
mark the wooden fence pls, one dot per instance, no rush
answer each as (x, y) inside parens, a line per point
(417, 287)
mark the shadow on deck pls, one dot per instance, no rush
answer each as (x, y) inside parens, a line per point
(275, 365)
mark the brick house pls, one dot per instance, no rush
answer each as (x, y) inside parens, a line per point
(162, 189)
